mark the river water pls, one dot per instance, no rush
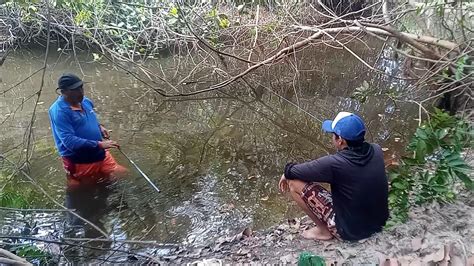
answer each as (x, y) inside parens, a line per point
(216, 159)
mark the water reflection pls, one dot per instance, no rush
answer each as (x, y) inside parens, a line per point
(91, 203)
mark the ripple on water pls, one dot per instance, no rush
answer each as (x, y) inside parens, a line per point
(204, 210)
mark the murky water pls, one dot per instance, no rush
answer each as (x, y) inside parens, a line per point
(217, 159)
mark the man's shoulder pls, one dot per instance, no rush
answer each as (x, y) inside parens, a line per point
(377, 147)
(330, 158)
(57, 105)
(88, 101)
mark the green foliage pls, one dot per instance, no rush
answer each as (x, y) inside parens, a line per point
(435, 166)
(362, 93)
(126, 27)
(309, 259)
(13, 198)
(33, 254)
(462, 66)
(14, 193)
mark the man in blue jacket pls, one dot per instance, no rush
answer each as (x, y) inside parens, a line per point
(357, 204)
(79, 136)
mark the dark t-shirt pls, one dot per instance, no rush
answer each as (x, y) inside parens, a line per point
(359, 188)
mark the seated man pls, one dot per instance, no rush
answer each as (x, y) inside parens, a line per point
(357, 204)
(78, 136)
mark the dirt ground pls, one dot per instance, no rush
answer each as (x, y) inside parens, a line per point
(434, 235)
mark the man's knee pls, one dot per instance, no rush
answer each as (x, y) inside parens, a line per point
(296, 186)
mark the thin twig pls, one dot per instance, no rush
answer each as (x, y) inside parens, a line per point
(35, 210)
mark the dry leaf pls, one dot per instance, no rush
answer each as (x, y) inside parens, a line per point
(434, 257)
(389, 262)
(384, 149)
(470, 260)
(243, 252)
(264, 198)
(250, 177)
(247, 232)
(288, 259)
(416, 243)
(416, 262)
(457, 261)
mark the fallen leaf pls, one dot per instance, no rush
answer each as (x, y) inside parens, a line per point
(389, 262)
(434, 257)
(264, 198)
(250, 177)
(447, 256)
(384, 149)
(415, 262)
(243, 252)
(457, 261)
(345, 254)
(247, 232)
(217, 247)
(470, 260)
(416, 243)
(288, 259)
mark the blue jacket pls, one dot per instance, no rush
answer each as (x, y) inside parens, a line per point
(76, 133)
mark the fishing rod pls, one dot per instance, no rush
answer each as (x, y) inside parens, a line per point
(136, 167)
(140, 170)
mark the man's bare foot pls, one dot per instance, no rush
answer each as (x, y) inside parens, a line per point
(317, 233)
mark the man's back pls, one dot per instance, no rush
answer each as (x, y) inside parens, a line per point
(360, 191)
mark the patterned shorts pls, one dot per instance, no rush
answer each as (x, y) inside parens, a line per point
(319, 201)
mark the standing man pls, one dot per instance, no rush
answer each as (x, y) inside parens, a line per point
(79, 136)
(357, 204)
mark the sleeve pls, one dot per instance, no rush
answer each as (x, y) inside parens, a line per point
(65, 133)
(318, 170)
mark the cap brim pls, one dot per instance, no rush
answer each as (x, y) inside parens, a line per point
(327, 126)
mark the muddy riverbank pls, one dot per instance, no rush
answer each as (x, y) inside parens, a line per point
(434, 233)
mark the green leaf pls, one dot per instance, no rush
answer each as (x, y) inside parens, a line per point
(465, 179)
(442, 133)
(224, 23)
(420, 151)
(421, 133)
(174, 11)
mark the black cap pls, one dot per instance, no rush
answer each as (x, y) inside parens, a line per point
(69, 81)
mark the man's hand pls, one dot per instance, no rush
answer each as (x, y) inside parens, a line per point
(104, 132)
(283, 184)
(107, 144)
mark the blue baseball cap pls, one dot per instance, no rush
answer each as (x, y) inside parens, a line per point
(347, 125)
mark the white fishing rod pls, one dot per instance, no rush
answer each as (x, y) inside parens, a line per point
(140, 171)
